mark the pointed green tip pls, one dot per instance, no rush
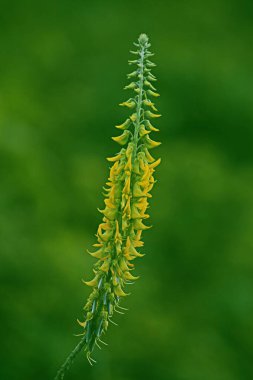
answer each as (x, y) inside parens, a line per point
(143, 39)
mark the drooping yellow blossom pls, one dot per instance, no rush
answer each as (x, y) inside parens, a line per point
(127, 195)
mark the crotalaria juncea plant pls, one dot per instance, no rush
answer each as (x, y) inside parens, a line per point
(127, 193)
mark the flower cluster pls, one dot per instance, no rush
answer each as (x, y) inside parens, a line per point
(126, 201)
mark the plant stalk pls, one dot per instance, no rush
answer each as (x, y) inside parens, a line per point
(138, 107)
(70, 359)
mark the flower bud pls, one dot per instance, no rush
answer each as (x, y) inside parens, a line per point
(122, 139)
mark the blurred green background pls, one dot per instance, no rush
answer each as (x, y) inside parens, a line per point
(62, 70)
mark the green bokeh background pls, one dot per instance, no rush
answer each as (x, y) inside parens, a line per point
(62, 70)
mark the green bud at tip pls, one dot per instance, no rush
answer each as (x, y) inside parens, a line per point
(143, 39)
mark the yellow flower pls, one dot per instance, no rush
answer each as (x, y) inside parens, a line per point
(115, 158)
(130, 86)
(133, 117)
(119, 292)
(152, 93)
(124, 125)
(152, 115)
(128, 103)
(155, 164)
(143, 131)
(151, 143)
(122, 139)
(93, 282)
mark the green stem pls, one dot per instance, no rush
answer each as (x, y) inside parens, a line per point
(70, 359)
(138, 107)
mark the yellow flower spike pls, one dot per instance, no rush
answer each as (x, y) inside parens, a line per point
(122, 139)
(128, 103)
(126, 200)
(151, 143)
